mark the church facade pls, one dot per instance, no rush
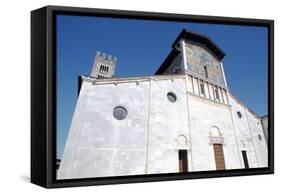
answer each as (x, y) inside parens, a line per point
(181, 119)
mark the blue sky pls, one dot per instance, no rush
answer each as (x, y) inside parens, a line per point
(141, 46)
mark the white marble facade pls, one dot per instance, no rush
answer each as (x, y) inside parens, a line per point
(148, 139)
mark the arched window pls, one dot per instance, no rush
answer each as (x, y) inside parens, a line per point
(206, 71)
(217, 97)
(202, 89)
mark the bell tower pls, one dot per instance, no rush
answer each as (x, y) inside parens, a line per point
(104, 66)
(198, 58)
(197, 55)
(201, 56)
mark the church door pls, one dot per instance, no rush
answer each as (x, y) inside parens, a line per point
(245, 159)
(219, 157)
(183, 161)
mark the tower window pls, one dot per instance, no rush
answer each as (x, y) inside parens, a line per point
(217, 97)
(202, 89)
(100, 76)
(206, 71)
(103, 69)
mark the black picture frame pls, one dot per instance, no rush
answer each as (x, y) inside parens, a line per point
(43, 95)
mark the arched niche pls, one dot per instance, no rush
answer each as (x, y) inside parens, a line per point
(242, 145)
(215, 135)
(182, 142)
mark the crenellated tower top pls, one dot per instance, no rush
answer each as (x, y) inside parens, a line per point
(104, 66)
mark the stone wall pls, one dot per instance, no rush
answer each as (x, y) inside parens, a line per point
(208, 120)
(176, 66)
(265, 127)
(248, 129)
(167, 122)
(100, 145)
(198, 57)
(148, 140)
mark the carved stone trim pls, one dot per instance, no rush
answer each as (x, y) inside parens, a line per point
(216, 140)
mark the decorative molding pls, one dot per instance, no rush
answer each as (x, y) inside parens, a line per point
(216, 140)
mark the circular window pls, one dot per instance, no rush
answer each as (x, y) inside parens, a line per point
(119, 113)
(239, 114)
(172, 97)
(259, 136)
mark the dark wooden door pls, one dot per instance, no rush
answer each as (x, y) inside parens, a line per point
(183, 161)
(245, 159)
(219, 157)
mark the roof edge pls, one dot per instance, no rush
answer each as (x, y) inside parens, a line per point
(250, 110)
(203, 39)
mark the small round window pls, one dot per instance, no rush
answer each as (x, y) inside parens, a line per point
(172, 97)
(259, 136)
(239, 114)
(119, 113)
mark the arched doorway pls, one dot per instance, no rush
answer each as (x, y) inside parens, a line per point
(216, 139)
(182, 153)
